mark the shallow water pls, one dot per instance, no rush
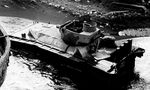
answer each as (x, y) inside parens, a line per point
(142, 65)
(40, 13)
(33, 74)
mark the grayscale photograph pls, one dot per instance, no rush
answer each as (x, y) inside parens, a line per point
(75, 45)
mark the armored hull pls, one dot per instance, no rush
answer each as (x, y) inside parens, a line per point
(104, 58)
(110, 59)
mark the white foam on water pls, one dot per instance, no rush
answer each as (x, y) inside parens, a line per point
(19, 77)
(142, 65)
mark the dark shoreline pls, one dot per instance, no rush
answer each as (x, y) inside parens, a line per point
(78, 9)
